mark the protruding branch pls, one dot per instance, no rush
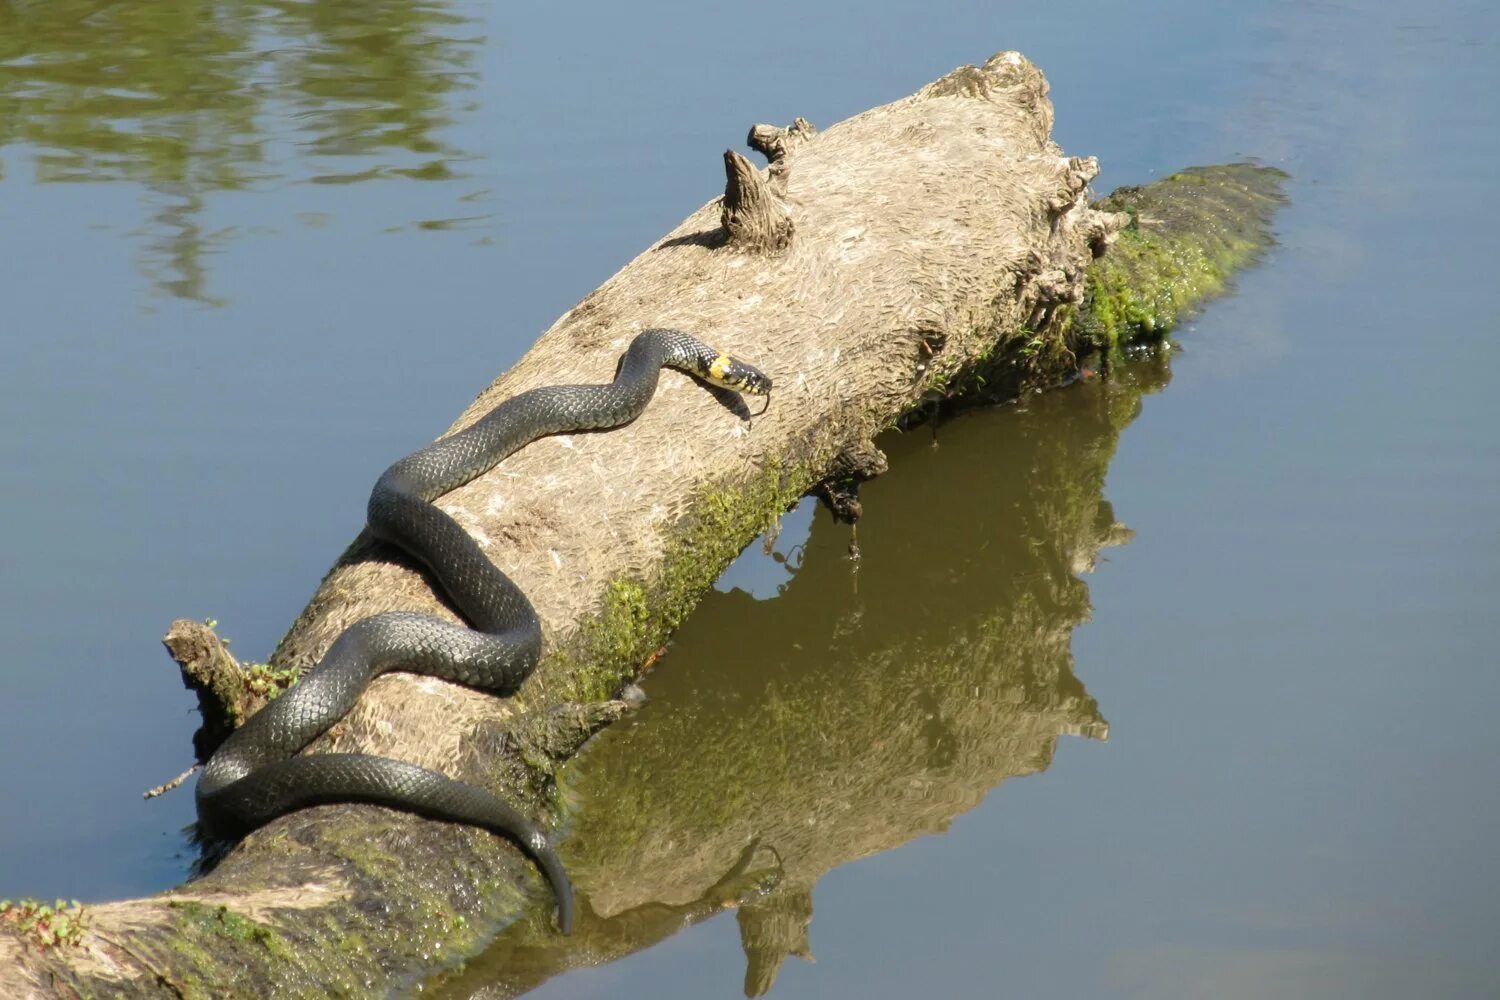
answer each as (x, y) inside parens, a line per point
(775, 142)
(754, 215)
(1074, 174)
(851, 467)
(209, 671)
(167, 786)
(1100, 229)
(558, 734)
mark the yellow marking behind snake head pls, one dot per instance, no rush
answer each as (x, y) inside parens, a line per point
(719, 367)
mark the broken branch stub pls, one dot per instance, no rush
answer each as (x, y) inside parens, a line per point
(755, 214)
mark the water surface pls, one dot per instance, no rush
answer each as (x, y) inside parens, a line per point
(254, 251)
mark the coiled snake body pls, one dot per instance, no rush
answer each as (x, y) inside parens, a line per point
(255, 775)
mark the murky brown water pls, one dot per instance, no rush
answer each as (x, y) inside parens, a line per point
(252, 251)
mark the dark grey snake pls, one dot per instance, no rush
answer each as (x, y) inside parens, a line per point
(256, 775)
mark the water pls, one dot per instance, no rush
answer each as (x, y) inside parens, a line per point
(252, 252)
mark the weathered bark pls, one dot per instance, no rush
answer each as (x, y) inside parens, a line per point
(868, 270)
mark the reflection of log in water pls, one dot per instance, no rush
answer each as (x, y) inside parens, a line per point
(838, 721)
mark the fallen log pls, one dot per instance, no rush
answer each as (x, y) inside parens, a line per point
(875, 270)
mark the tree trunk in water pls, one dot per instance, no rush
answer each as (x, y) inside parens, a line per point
(874, 269)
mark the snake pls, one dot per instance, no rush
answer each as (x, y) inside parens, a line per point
(257, 774)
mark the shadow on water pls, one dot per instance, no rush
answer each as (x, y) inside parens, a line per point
(865, 705)
(189, 99)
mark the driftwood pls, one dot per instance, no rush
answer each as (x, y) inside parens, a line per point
(873, 268)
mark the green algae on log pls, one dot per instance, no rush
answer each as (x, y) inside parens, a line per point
(932, 235)
(1188, 233)
(637, 617)
(1181, 240)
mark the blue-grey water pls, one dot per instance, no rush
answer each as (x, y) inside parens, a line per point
(250, 252)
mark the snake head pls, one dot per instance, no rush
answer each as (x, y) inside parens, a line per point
(731, 373)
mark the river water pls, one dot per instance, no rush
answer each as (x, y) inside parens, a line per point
(1176, 685)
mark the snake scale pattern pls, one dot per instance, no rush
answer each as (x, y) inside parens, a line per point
(257, 774)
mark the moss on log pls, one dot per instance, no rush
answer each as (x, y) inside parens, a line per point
(1187, 235)
(874, 267)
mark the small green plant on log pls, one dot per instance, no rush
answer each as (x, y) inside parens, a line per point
(45, 926)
